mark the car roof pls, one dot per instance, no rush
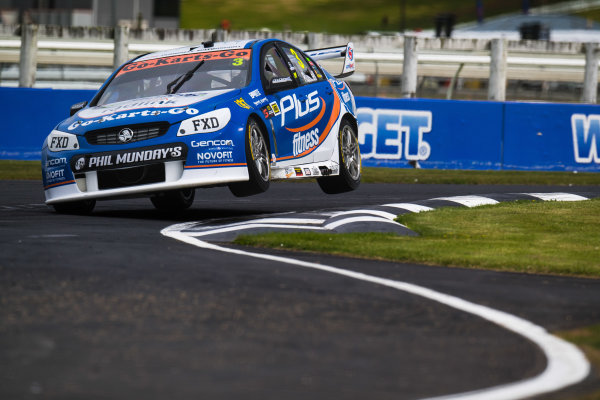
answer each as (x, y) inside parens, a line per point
(201, 48)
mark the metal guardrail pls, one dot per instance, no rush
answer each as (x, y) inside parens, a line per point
(381, 56)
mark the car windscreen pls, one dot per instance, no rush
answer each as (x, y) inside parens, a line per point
(217, 70)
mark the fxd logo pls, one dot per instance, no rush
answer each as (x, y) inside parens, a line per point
(586, 138)
(390, 134)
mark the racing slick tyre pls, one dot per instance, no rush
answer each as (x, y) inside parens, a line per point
(350, 163)
(174, 200)
(257, 156)
(81, 207)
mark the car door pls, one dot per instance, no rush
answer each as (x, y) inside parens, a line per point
(303, 109)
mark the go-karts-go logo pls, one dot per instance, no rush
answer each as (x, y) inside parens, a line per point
(392, 134)
(586, 138)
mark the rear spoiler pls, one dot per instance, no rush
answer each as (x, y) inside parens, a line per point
(332, 52)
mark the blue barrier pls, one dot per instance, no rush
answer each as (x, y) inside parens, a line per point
(392, 132)
(28, 116)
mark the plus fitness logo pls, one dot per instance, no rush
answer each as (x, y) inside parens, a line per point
(394, 134)
(586, 138)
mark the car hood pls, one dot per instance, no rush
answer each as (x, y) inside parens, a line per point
(171, 108)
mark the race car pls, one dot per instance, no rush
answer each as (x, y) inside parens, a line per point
(238, 113)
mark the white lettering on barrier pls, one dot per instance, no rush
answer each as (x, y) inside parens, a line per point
(394, 134)
(586, 138)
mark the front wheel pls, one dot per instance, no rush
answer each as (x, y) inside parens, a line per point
(257, 158)
(81, 207)
(350, 163)
(174, 200)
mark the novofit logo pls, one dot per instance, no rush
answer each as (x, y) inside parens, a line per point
(125, 135)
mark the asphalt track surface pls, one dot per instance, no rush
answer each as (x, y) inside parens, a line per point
(103, 306)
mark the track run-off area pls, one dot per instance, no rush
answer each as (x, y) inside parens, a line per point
(105, 306)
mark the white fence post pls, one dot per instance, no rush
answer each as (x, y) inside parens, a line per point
(121, 52)
(28, 60)
(590, 80)
(409, 70)
(497, 82)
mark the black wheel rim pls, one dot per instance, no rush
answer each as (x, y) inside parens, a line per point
(260, 153)
(351, 152)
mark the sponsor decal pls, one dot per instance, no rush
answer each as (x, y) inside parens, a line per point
(346, 97)
(291, 103)
(255, 93)
(307, 172)
(58, 141)
(315, 171)
(394, 134)
(267, 111)
(180, 100)
(242, 103)
(186, 58)
(305, 141)
(281, 80)
(56, 162)
(275, 108)
(586, 138)
(298, 171)
(212, 157)
(129, 158)
(350, 54)
(260, 101)
(145, 113)
(205, 123)
(55, 175)
(212, 143)
(289, 171)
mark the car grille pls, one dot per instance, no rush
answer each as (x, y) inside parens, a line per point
(140, 132)
(134, 176)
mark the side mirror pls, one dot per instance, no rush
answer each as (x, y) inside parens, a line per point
(277, 84)
(77, 106)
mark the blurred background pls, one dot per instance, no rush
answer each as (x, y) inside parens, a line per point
(545, 39)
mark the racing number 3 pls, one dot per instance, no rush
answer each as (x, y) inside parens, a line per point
(297, 58)
(238, 61)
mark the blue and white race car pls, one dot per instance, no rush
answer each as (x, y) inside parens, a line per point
(237, 113)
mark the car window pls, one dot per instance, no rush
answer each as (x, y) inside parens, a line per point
(179, 74)
(305, 74)
(273, 66)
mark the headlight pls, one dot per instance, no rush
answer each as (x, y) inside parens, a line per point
(205, 123)
(60, 141)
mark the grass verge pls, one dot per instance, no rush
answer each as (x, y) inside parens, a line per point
(588, 340)
(31, 170)
(438, 176)
(16, 170)
(524, 236)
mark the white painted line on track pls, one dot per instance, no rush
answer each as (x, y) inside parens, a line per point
(409, 207)
(364, 218)
(469, 201)
(566, 364)
(557, 196)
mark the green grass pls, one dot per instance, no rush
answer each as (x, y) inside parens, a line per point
(15, 170)
(588, 339)
(523, 236)
(437, 176)
(334, 16)
(31, 170)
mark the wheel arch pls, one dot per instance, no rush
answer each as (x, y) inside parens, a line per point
(264, 127)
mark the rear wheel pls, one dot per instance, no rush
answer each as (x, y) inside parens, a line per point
(174, 200)
(257, 157)
(350, 164)
(81, 207)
